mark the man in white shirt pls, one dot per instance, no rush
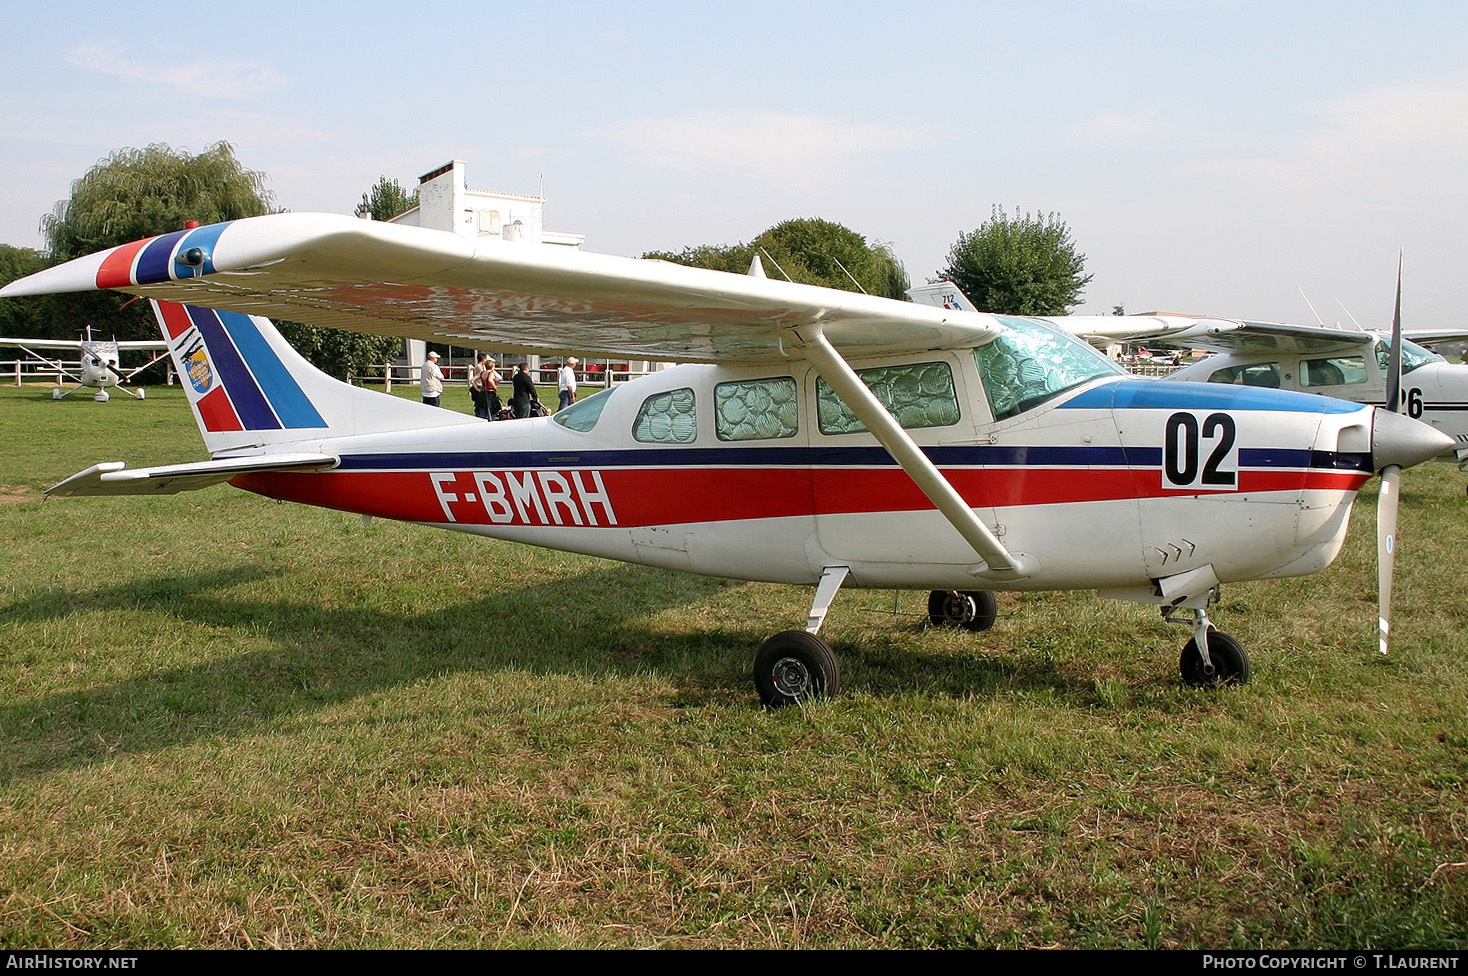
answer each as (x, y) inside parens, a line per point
(567, 382)
(432, 380)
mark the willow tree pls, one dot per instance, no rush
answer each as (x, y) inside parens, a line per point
(138, 193)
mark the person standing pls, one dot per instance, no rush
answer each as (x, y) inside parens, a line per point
(492, 380)
(476, 387)
(432, 380)
(566, 380)
(524, 392)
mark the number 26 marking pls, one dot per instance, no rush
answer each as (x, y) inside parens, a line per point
(1183, 446)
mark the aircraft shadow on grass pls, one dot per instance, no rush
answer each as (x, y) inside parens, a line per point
(322, 656)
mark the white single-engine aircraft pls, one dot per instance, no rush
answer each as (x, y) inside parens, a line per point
(101, 362)
(813, 436)
(1350, 364)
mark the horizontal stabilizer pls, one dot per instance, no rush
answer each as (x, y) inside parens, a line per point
(113, 478)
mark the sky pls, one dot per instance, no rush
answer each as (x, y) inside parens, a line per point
(1241, 158)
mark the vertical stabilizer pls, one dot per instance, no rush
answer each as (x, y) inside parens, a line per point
(249, 388)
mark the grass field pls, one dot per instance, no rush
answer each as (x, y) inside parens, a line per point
(230, 722)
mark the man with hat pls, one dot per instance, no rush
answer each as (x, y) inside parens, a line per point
(566, 376)
(432, 380)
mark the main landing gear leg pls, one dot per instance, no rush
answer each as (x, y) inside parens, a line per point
(1212, 658)
(796, 665)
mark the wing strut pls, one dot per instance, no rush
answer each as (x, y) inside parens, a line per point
(999, 563)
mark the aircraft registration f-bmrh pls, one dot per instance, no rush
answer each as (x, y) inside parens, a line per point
(812, 436)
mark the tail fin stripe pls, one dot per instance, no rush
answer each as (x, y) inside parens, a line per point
(275, 381)
(249, 402)
(217, 412)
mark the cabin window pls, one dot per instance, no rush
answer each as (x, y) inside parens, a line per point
(917, 395)
(666, 418)
(756, 409)
(1250, 374)
(583, 414)
(1334, 371)
(1030, 362)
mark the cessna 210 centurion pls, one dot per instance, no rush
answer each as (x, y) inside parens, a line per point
(811, 436)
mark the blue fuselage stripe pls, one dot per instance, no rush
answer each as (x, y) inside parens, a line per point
(866, 457)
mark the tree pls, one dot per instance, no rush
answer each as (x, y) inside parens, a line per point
(138, 193)
(20, 316)
(810, 251)
(1020, 265)
(386, 200)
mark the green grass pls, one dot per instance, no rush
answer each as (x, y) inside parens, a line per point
(231, 722)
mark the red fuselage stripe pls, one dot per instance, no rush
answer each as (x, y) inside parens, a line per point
(629, 497)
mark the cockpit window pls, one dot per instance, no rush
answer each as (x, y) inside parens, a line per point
(1413, 356)
(917, 394)
(583, 414)
(1333, 371)
(666, 418)
(1031, 362)
(1249, 374)
(756, 409)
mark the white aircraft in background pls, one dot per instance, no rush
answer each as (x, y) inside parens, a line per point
(101, 362)
(1351, 364)
(812, 436)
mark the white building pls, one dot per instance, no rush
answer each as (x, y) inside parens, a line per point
(445, 202)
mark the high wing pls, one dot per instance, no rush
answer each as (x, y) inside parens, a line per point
(77, 344)
(369, 276)
(1106, 330)
(114, 478)
(1266, 338)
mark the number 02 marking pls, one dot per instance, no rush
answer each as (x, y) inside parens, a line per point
(1184, 442)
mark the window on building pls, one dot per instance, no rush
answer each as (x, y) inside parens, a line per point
(917, 395)
(666, 418)
(756, 409)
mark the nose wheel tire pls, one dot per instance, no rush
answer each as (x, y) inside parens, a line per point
(974, 610)
(1229, 661)
(794, 667)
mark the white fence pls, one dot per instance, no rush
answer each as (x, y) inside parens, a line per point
(35, 369)
(592, 376)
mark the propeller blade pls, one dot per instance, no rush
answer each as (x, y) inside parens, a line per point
(1391, 486)
(1394, 365)
(1386, 547)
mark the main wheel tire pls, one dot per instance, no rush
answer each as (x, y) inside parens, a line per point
(793, 667)
(1230, 662)
(974, 610)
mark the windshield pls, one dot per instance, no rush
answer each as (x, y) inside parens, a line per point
(583, 414)
(1413, 356)
(1031, 362)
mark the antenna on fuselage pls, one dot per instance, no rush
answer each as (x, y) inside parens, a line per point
(1348, 313)
(848, 274)
(1318, 319)
(776, 264)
